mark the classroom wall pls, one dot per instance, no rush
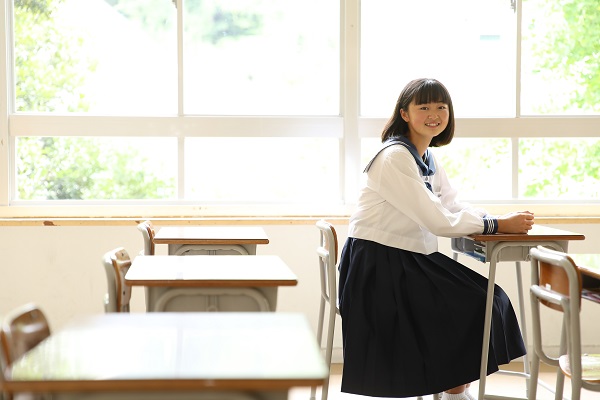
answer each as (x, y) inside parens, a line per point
(59, 267)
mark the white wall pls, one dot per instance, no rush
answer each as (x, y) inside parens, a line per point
(59, 267)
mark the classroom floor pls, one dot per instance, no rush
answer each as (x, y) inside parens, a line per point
(496, 384)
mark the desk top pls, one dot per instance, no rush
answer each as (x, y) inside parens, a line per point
(210, 271)
(211, 235)
(588, 264)
(175, 352)
(536, 234)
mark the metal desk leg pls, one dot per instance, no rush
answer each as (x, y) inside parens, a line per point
(487, 323)
(494, 257)
(489, 302)
(526, 366)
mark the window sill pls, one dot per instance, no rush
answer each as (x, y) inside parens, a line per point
(249, 215)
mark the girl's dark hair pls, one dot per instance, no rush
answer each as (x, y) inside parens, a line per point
(420, 91)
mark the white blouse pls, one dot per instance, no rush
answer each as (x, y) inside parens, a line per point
(396, 209)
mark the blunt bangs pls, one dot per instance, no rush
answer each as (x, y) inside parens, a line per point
(431, 91)
(420, 91)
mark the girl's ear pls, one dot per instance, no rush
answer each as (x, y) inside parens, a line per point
(404, 115)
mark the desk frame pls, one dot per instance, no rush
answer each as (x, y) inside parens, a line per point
(178, 239)
(159, 288)
(494, 249)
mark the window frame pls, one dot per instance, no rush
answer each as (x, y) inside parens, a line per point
(349, 127)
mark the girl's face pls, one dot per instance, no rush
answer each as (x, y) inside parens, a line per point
(425, 121)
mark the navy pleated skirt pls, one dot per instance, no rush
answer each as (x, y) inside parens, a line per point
(412, 324)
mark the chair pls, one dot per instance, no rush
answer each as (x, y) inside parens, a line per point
(22, 329)
(116, 264)
(148, 232)
(327, 253)
(556, 284)
(3, 366)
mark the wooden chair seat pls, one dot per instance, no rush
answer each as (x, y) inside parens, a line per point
(590, 367)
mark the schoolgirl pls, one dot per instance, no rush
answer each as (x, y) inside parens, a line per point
(412, 317)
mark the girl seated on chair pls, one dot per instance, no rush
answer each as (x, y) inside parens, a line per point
(412, 318)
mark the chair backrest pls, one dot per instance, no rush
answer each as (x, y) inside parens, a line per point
(148, 232)
(22, 329)
(327, 252)
(555, 272)
(559, 286)
(3, 366)
(556, 283)
(116, 264)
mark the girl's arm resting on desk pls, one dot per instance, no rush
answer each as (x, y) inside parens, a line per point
(518, 222)
(515, 222)
(396, 179)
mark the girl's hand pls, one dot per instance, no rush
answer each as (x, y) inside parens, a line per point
(515, 222)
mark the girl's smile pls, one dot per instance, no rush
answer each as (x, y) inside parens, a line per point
(425, 121)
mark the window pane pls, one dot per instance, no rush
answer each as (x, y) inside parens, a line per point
(469, 45)
(559, 169)
(560, 57)
(271, 170)
(78, 168)
(113, 57)
(478, 168)
(261, 57)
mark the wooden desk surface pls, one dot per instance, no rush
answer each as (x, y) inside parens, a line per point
(588, 264)
(210, 271)
(211, 235)
(174, 352)
(537, 233)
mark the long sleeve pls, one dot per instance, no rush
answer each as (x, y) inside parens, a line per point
(395, 207)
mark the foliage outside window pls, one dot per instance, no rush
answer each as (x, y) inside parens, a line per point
(280, 61)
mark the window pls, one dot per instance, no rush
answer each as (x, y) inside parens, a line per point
(560, 58)
(261, 57)
(269, 102)
(462, 43)
(504, 150)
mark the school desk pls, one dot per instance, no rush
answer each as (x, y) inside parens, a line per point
(211, 239)
(500, 247)
(589, 267)
(174, 356)
(210, 283)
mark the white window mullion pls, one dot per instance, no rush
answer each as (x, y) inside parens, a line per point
(180, 108)
(181, 168)
(519, 15)
(350, 96)
(180, 55)
(6, 102)
(515, 140)
(515, 167)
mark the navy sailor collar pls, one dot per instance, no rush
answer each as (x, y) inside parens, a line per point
(425, 164)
